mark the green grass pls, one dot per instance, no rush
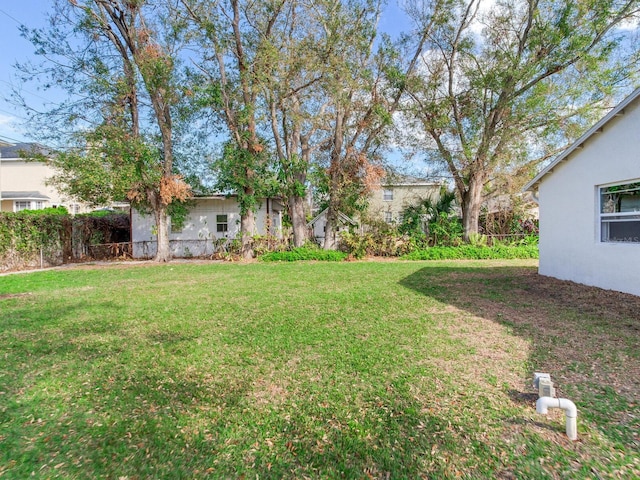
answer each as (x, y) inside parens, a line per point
(305, 370)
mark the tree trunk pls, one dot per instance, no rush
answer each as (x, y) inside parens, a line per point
(296, 210)
(331, 231)
(247, 228)
(471, 203)
(163, 253)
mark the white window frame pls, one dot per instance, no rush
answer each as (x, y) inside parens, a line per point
(388, 217)
(19, 205)
(387, 194)
(606, 217)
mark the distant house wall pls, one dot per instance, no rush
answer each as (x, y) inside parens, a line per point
(201, 227)
(570, 225)
(402, 196)
(17, 175)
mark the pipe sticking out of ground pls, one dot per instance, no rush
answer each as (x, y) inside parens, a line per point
(571, 412)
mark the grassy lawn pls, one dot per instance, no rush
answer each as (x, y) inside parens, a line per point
(312, 370)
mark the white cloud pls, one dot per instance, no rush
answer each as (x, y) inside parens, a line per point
(484, 7)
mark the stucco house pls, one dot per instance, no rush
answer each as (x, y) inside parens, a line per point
(23, 183)
(211, 221)
(589, 200)
(387, 203)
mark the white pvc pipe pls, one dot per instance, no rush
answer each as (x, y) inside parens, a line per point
(570, 410)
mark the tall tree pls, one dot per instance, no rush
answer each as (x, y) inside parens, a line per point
(505, 88)
(236, 39)
(364, 86)
(113, 59)
(297, 106)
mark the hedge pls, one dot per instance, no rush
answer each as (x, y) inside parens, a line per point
(474, 252)
(304, 254)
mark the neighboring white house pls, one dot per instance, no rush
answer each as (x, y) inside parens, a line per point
(318, 225)
(590, 205)
(210, 221)
(23, 183)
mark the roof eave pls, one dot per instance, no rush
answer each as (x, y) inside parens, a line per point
(618, 109)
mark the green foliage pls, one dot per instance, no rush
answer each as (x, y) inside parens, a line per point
(46, 211)
(474, 252)
(26, 233)
(108, 164)
(378, 243)
(304, 253)
(263, 244)
(179, 212)
(96, 214)
(245, 173)
(446, 229)
(525, 86)
(432, 218)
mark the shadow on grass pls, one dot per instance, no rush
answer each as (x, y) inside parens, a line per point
(139, 425)
(587, 338)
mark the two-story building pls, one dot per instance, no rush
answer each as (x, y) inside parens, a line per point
(387, 203)
(23, 183)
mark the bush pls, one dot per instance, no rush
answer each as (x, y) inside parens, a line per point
(44, 212)
(379, 243)
(27, 237)
(474, 252)
(263, 244)
(304, 253)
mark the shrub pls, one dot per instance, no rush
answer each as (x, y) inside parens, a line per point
(474, 252)
(26, 236)
(304, 253)
(378, 243)
(263, 244)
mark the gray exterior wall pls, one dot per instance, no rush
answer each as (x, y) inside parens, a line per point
(198, 233)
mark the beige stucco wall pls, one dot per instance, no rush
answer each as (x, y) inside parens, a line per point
(403, 196)
(23, 176)
(570, 246)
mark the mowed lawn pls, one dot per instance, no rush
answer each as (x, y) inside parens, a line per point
(314, 370)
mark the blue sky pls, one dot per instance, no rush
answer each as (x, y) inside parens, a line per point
(14, 47)
(32, 13)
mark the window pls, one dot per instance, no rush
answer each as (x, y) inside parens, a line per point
(388, 217)
(387, 194)
(39, 205)
(22, 205)
(620, 213)
(222, 223)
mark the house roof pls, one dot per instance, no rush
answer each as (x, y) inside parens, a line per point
(597, 128)
(24, 196)
(400, 180)
(341, 216)
(12, 151)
